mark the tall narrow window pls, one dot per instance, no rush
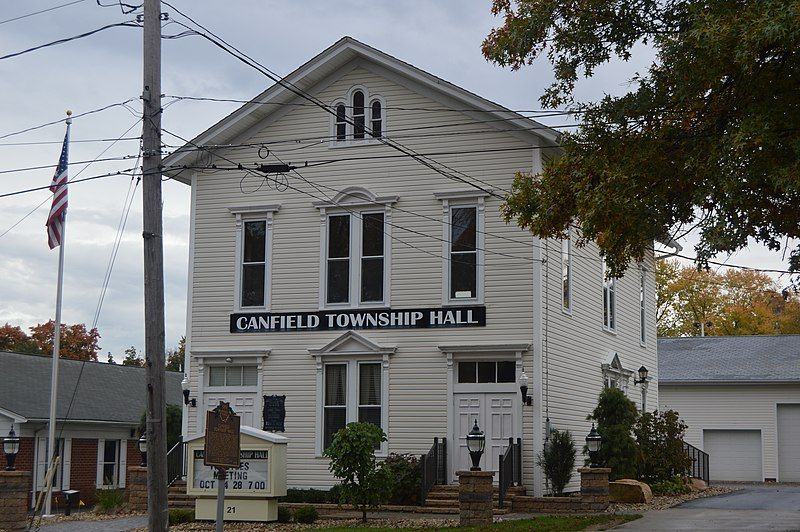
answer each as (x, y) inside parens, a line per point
(335, 401)
(566, 274)
(642, 314)
(372, 257)
(254, 264)
(369, 393)
(463, 253)
(341, 122)
(358, 115)
(110, 462)
(609, 302)
(339, 259)
(377, 119)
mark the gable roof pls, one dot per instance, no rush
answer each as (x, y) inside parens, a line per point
(733, 359)
(320, 68)
(106, 392)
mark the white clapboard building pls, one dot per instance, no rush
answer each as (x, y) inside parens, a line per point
(378, 281)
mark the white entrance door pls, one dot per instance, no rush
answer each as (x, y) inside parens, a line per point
(244, 404)
(497, 416)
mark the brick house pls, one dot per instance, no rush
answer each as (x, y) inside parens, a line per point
(97, 437)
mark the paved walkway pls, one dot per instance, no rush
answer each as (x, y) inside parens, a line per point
(122, 524)
(753, 507)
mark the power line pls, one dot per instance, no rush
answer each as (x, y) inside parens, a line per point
(45, 166)
(71, 141)
(101, 176)
(41, 11)
(68, 39)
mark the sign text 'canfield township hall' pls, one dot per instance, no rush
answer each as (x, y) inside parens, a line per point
(331, 320)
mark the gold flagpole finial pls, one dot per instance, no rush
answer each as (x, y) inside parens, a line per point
(69, 117)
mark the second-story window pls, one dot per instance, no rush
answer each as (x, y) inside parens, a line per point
(566, 274)
(463, 253)
(642, 313)
(355, 258)
(609, 301)
(254, 263)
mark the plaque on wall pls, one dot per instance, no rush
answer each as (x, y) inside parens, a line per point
(222, 441)
(274, 413)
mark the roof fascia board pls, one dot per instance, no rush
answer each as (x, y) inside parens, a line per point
(724, 382)
(451, 98)
(16, 418)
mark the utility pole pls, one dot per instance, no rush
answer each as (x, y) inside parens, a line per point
(157, 520)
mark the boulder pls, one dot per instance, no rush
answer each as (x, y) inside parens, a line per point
(697, 484)
(630, 491)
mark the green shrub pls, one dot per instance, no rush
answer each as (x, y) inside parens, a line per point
(310, 496)
(659, 436)
(306, 515)
(109, 499)
(558, 460)
(615, 415)
(284, 515)
(673, 486)
(406, 477)
(364, 482)
(178, 516)
(335, 494)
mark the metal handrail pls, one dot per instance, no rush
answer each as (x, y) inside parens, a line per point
(176, 462)
(433, 467)
(507, 470)
(699, 466)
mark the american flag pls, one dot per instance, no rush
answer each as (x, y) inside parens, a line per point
(58, 211)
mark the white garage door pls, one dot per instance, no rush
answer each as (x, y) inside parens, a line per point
(789, 443)
(733, 454)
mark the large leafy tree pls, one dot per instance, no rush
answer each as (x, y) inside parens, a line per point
(13, 338)
(77, 342)
(706, 138)
(736, 302)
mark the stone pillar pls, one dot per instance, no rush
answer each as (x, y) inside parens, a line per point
(594, 487)
(137, 489)
(14, 489)
(475, 497)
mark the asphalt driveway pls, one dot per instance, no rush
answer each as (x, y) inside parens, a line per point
(753, 507)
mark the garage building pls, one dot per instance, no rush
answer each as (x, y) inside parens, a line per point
(740, 396)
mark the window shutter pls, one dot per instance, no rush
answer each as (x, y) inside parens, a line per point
(123, 459)
(67, 459)
(101, 444)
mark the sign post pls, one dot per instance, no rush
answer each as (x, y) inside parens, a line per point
(222, 449)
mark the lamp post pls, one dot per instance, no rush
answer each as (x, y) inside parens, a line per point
(185, 388)
(523, 389)
(476, 441)
(643, 381)
(143, 448)
(11, 448)
(593, 442)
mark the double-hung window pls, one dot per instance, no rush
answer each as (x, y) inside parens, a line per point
(355, 259)
(253, 251)
(110, 463)
(642, 313)
(353, 391)
(462, 250)
(609, 301)
(566, 275)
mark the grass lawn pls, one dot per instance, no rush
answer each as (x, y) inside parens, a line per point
(549, 523)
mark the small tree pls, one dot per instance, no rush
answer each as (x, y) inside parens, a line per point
(558, 460)
(364, 482)
(132, 358)
(615, 415)
(659, 436)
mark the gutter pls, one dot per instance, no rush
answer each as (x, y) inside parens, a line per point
(725, 382)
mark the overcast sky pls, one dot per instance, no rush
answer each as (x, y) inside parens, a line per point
(442, 37)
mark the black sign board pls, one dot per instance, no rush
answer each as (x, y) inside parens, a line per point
(332, 320)
(274, 413)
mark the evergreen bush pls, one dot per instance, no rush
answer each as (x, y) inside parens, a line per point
(178, 516)
(284, 514)
(558, 460)
(615, 416)
(306, 515)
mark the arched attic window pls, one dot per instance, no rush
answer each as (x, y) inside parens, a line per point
(358, 115)
(341, 122)
(376, 124)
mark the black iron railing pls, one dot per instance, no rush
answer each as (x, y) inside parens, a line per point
(176, 462)
(433, 467)
(699, 467)
(509, 469)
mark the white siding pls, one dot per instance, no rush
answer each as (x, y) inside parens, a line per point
(742, 407)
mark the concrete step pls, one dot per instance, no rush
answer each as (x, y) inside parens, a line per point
(441, 503)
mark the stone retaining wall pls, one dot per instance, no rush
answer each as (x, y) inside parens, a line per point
(137, 489)
(14, 487)
(593, 498)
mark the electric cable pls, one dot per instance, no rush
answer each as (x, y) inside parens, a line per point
(69, 39)
(41, 11)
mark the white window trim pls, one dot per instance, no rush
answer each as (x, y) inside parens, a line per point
(613, 370)
(101, 465)
(252, 214)
(567, 309)
(355, 201)
(470, 198)
(611, 285)
(642, 307)
(368, 139)
(367, 351)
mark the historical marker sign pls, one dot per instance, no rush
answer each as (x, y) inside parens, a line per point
(274, 413)
(222, 442)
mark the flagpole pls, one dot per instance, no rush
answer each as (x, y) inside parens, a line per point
(51, 433)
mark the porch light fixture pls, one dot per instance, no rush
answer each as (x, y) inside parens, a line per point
(11, 448)
(642, 376)
(593, 442)
(185, 387)
(143, 448)
(476, 442)
(523, 388)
